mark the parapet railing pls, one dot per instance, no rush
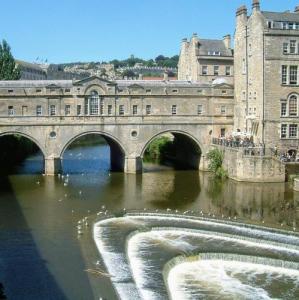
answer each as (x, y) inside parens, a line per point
(246, 147)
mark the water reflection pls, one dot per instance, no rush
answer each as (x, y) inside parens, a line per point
(47, 210)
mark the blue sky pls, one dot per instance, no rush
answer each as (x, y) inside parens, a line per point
(97, 30)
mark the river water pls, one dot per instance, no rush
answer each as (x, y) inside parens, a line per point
(162, 214)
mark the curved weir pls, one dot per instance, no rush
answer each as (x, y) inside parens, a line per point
(230, 276)
(136, 248)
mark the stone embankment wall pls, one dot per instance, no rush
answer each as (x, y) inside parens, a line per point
(255, 168)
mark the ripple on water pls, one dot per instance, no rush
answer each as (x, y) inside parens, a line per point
(214, 278)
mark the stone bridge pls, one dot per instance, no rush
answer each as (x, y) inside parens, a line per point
(128, 114)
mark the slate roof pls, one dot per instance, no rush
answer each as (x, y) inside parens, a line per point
(34, 83)
(120, 83)
(281, 16)
(206, 46)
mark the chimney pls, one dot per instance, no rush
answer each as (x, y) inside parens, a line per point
(256, 5)
(241, 11)
(165, 76)
(227, 41)
(297, 9)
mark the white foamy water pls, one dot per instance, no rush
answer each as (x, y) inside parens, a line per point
(135, 259)
(178, 241)
(219, 279)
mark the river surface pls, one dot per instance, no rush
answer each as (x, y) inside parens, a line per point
(45, 253)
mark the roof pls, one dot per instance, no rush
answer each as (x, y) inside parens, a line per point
(34, 83)
(29, 65)
(281, 16)
(120, 83)
(206, 46)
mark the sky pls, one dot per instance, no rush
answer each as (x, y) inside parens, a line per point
(102, 30)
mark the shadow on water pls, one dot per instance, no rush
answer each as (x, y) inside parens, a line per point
(23, 271)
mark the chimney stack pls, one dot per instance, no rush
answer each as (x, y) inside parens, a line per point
(227, 41)
(241, 11)
(256, 5)
(297, 9)
(165, 76)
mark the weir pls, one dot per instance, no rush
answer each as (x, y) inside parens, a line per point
(146, 252)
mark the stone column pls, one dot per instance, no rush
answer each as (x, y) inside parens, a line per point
(203, 163)
(133, 165)
(52, 165)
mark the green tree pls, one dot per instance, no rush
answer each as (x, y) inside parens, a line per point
(215, 157)
(8, 68)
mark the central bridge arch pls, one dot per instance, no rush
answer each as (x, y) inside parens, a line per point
(117, 150)
(187, 148)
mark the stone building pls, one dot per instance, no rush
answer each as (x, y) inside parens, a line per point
(206, 60)
(31, 71)
(266, 59)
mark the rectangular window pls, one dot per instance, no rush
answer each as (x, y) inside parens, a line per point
(109, 109)
(174, 91)
(283, 131)
(39, 110)
(216, 70)
(148, 91)
(223, 109)
(121, 110)
(135, 109)
(293, 110)
(173, 109)
(244, 66)
(285, 48)
(52, 110)
(67, 110)
(199, 109)
(293, 74)
(204, 70)
(86, 107)
(284, 74)
(24, 110)
(79, 110)
(292, 47)
(293, 131)
(283, 109)
(148, 109)
(67, 90)
(227, 71)
(222, 132)
(11, 111)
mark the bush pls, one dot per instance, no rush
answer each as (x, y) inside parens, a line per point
(215, 157)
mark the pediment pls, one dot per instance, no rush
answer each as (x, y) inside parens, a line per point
(224, 86)
(136, 86)
(53, 86)
(95, 80)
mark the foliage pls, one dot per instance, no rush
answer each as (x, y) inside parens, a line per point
(215, 157)
(160, 61)
(8, 69)
(159, 148)
(129, 74)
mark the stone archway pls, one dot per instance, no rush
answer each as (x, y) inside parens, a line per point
(188, 150)
(117, 150)
(20, 148)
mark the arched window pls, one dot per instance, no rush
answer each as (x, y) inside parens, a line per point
(92, 104)
(293, 106)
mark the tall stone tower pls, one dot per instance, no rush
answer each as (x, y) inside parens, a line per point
(206, 60)
(266, 76)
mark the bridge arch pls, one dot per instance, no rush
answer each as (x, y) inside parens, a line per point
(117, 149)
(29, 137)
(15, 157)
(186, 146)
